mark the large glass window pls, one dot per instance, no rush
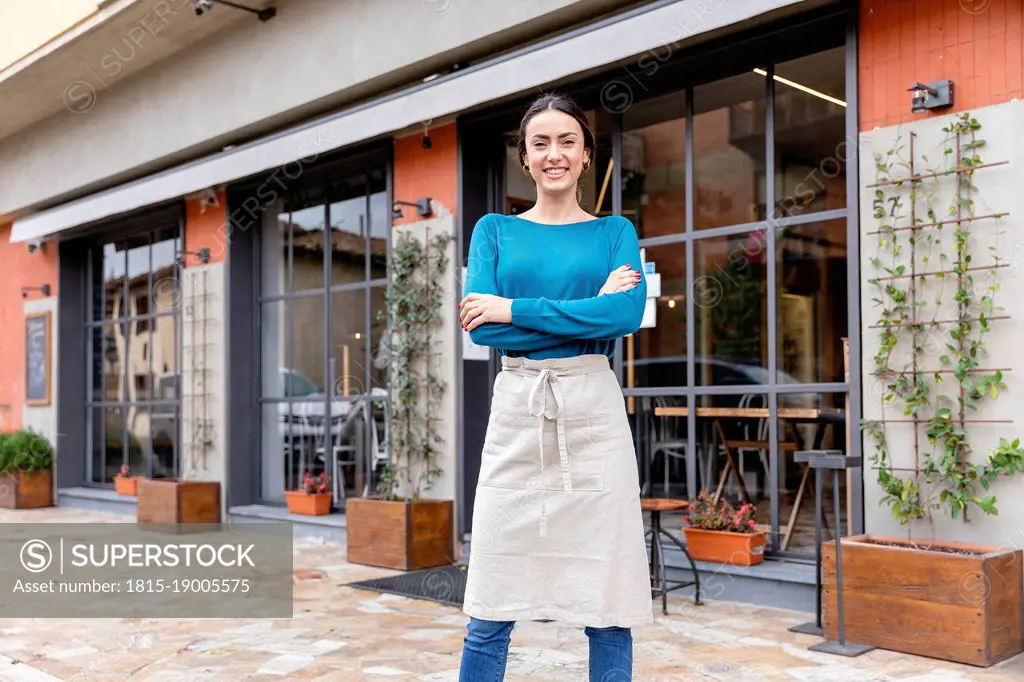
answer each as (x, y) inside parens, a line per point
(133, 328)
(737, 188)
(324, 250)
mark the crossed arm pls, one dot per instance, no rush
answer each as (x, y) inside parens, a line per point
(528, 324)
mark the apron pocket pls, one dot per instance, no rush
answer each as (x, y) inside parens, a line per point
(588, 442)
(510, 457)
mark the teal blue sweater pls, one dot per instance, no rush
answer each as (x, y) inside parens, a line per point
(553, 274)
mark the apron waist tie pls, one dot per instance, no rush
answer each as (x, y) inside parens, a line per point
(538, 404)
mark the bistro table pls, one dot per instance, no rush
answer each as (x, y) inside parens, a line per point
(823, 417)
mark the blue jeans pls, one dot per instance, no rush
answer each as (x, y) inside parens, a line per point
(485, 652)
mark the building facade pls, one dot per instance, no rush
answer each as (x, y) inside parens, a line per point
(211, 202)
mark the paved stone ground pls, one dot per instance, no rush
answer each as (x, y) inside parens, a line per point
(342, 634)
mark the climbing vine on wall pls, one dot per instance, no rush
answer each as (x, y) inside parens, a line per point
(939, 305)
(415, 300)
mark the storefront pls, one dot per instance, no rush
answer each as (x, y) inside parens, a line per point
(221, 318)
(235, 332)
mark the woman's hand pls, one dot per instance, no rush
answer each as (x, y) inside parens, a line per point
(477, 309)
(621, 279)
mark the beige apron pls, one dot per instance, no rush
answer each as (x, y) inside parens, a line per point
(557, 528)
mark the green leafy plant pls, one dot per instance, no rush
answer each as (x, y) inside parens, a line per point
(25, 451)
(414, 307)
(706, 515)
(935, 400)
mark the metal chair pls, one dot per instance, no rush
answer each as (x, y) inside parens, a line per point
(341, 442)
(660, 585)
(761, 436)
(668, 439)
(380, 452)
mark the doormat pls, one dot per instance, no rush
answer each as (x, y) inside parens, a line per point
(444, 584)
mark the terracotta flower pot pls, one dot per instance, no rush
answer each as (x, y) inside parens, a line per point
(317, 504)
(722, 547)
(126, 485)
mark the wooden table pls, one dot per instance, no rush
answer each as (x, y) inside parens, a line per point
(793, 413)
(822, 416)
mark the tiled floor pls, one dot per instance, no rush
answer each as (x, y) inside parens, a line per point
(341, 634)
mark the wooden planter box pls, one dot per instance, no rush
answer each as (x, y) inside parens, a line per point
(954, 607)
(127, 486)
(173, 501)
(26, 491)
(738, 549)
(402, 535)
(317, 504)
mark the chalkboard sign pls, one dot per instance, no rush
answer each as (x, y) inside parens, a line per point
(37, 359)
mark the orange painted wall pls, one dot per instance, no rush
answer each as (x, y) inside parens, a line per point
(206, 228)
(20, 269)
(978, 44)
(427, 172)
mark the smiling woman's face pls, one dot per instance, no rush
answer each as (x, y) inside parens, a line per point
(555, 151)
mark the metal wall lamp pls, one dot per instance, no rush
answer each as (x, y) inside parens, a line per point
(934, 95)
(423, 208)
(203, 6)
(44, 290)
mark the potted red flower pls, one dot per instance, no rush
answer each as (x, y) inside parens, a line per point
(722, 533)
(313, 498)
(125, 483)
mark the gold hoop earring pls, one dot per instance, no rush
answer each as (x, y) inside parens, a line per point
(526, 170)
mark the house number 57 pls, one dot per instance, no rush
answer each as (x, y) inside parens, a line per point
(879, 206)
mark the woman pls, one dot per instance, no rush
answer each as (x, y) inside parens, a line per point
(557, 528)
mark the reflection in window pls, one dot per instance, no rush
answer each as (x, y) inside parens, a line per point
(321, 247)
(729, 295)
(812, 304)
(654, 165)
(133, 393)
(729, 143)
(810, 134)
(349, 343)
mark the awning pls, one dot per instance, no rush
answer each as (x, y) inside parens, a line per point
(657, 27)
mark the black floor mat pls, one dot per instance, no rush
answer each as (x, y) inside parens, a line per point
(444, 584)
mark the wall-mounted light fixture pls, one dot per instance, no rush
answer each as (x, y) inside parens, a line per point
(201, 7)
(427, 144)
(44, 290)
(934, 95)
(423, 208)
(202, 254)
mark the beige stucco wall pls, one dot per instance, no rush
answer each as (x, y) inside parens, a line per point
(203, 448)
(998, 191)
(25, 26)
